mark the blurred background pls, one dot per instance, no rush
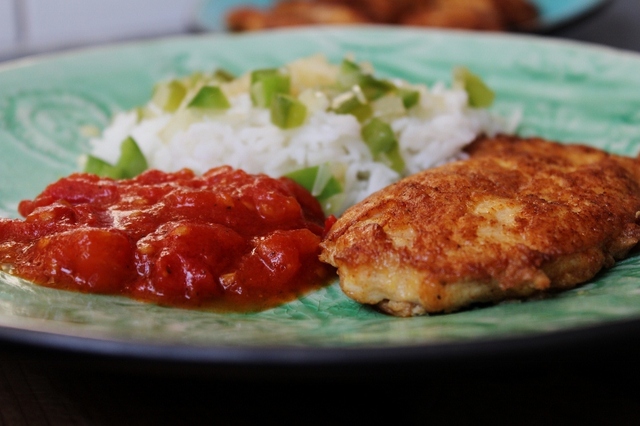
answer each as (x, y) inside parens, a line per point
(35, 26)
(32, 393)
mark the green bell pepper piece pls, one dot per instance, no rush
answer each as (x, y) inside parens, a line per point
(130, 164)
(350, 103)
(266, 83)
(307, 178)
(223, 75)
(382, 143)
(480, 95)
(131, 161)
(409, 97)
(287, 112)
(97, 166)
(169, 96)
(210, 97)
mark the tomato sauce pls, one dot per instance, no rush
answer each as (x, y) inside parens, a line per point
(225, 240)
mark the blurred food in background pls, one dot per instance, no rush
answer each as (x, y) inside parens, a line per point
(488, 15)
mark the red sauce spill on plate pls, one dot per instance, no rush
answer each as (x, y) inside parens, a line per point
(226, 240)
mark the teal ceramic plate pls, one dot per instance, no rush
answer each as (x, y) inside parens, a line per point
(553, 13)
(567, 91)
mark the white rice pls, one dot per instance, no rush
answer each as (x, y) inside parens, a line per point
(244, 137)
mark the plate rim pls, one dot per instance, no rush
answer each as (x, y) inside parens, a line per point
(559, 346)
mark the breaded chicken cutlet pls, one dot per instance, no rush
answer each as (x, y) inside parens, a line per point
(519, 218)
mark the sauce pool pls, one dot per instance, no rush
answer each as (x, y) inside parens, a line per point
(226, 240)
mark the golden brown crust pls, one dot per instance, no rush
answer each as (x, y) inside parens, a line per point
(518, 14)
(290, 14)
(468, 14)
(519, 218)
(491, 15)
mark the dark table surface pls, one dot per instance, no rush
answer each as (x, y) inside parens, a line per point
(589, 385)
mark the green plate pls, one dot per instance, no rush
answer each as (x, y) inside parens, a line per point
(567, 91)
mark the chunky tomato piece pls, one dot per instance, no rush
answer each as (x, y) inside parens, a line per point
(181, 261)
(80, 188)
(84, 259)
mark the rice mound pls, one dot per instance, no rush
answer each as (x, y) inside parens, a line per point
(242, 136)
